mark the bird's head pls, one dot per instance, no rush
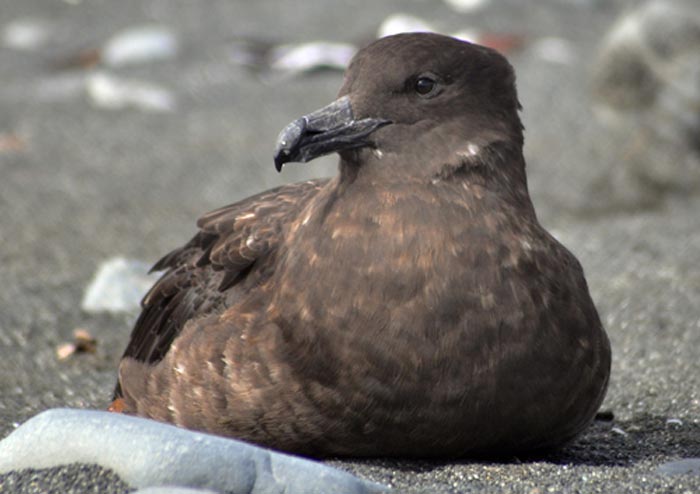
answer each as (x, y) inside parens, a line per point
(425, 102)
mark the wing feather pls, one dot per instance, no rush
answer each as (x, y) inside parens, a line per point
(199, 274)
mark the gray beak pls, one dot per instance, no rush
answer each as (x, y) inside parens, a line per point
(332, 128)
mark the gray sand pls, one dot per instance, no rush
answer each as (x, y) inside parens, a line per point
(82, 183)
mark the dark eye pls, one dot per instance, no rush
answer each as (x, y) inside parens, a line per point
(425, 85)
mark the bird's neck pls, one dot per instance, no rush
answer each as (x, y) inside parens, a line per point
(496, 170)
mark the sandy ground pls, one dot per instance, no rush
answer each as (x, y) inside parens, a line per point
(82, 183)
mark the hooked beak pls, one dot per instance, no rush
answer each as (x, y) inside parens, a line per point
(332, 128)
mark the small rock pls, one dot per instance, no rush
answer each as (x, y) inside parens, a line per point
(25, 34)
(83, 342)
(403, 23)
(463, 6)
(306, 57)
(118, 286)
(618, 431)
(139, 45)
(690, 466)
(113, 93)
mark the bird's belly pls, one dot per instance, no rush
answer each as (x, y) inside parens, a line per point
(426, 338)
(447, 369)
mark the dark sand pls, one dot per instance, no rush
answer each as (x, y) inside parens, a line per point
(81, 184)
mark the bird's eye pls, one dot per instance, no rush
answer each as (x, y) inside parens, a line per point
(424, 85)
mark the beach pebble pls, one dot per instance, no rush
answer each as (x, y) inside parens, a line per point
(145, 453)
(305, 57)
(139, 45)
(403, 23)
(680, 467)
(463, 6)
(118, 286)
(115, 93)
(25, 34)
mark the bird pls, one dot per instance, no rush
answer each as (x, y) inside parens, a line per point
(410, 306)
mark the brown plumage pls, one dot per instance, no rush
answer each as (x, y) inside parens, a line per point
(410, 306)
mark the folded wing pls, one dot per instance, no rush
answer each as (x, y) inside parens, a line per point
(232, 253)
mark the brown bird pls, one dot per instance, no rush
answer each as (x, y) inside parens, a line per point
(410, 306)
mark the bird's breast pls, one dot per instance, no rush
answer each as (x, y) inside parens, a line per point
(396, 259)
